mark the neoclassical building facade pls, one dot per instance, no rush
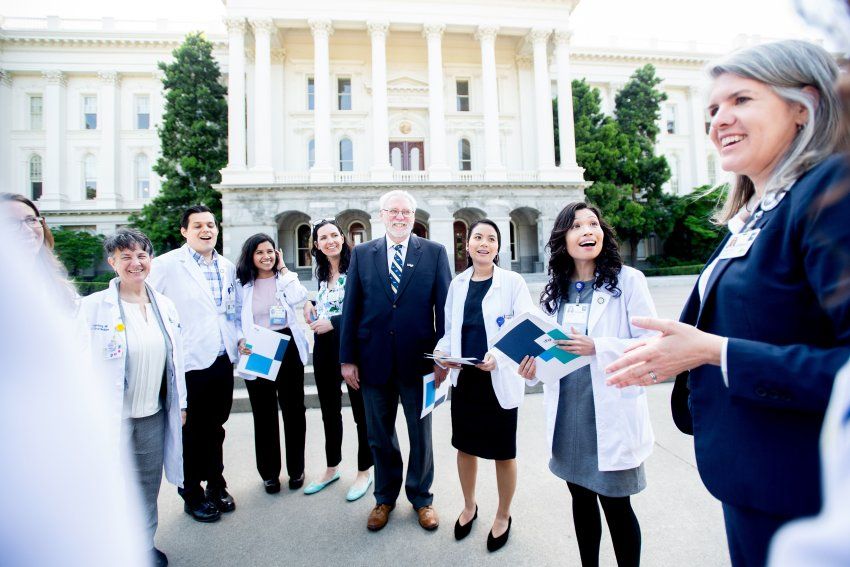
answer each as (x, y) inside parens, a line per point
(329, 107)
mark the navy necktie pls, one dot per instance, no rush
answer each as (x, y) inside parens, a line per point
(395, 269)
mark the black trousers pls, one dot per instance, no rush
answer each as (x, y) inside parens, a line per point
(209, 397)
(287, 391)
(621, 520)
(328, 380)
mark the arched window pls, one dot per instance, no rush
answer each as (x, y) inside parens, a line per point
(302, 243)
(395, 158)
(142, 172)
(346, 155)
(36, 187)
(90, 176)
(311, 153)
(356, 233)
(464, 155)
(414, 159)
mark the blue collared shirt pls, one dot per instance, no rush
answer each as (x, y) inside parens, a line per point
(213, 275)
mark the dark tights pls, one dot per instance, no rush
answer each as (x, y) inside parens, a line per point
(621, 520)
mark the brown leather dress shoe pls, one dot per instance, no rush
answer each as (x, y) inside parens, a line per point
(379, 516)
(428, 518)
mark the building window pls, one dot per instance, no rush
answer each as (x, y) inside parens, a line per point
(143, 112)
(464, 155)
(514, 256)
(302, 242)
(36, 187)
(674, 174)
(90, 112)
(462, 88)
(36, 112)
(356, 233)
(143, 177)
(311, 91)
(346, 155)
(670, 118)
(311, 153)
(712, 170)
(343, 90)
(90, 177)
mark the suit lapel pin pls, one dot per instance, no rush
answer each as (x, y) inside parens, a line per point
(600, 300)
(410, 265)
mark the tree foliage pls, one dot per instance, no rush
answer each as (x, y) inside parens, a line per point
(694, 236)
(618, 154)
(193, 139)
(77, 250)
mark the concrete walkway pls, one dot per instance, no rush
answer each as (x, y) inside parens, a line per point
(681, 523)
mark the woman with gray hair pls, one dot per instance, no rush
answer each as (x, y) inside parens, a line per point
(767, 326)
(135, 343)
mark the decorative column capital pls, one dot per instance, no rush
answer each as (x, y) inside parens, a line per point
(378, 28)
(319, 27)
(562, 36)
(486, 33)
(55, 77)
(265, 25)
(433, 30)
(109, 77)
(278, 55)
(5, 78)
(236, 24)
(539, 35)
(523, 60)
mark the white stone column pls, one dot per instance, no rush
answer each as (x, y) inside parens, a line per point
(493, 168)
(526, 112)
(438, 169)
(108, 159)
(321, 172)
(566, 122)
(698, 135)
(53, 164)
(236, 142)
(6, 169)
(261, 170)
(381, 170)
(543, 104)
(278, 111)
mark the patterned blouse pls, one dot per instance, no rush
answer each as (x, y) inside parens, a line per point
(329, 301)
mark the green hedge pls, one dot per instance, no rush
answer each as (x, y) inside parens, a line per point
(98, 283)
(693, 269)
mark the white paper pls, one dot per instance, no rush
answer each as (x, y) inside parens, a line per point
(518, 337)
(267, 349)
(433, 397)
(468, 360)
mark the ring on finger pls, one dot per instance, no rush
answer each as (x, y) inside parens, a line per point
(653, 376)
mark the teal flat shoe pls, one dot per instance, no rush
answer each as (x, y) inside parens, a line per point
(355, 493)
(315, 487)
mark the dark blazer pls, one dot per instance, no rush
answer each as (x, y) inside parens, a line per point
(382, 334)
(785, 307)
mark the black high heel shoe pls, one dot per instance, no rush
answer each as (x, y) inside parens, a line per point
(463, 531)
(496, 543)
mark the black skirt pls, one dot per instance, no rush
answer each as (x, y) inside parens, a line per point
(480, 426)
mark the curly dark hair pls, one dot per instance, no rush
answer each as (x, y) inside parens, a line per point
(561, 265)
(246, 271)
(323, 265)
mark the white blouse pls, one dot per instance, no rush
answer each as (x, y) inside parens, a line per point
(146, 354)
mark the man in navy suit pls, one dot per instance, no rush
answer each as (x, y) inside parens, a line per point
(395, 294)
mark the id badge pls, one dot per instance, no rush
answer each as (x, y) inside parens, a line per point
(277, 315)
(230, 310)
(575, 315)
(739, 244)
(114, 348)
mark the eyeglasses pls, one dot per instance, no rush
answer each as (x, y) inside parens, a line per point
(30, 221)
(320, 221)
(407, 213)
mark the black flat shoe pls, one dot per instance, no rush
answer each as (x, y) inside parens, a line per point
(461, 531)
(497, 543)
(296, 483)
(221, 499)
(272, 485)
(205, 511)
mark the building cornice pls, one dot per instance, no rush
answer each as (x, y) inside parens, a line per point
(59, 40)
(597, 54)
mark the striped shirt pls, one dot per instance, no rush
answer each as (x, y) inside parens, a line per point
(213, 275)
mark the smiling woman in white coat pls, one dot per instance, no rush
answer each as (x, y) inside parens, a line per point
(136, 346)
(268, 292)
(599, 435)
(485, 397)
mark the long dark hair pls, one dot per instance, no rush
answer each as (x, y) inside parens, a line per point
(323, 265)
(562, 267)
(246, 271)
(488, 222)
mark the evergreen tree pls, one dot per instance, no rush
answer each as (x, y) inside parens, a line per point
(193, 137)
(77, 250)
(695, 236)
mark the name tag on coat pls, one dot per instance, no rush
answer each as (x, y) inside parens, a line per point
(739, 244)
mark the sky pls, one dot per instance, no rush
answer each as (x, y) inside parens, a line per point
(709, 21)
